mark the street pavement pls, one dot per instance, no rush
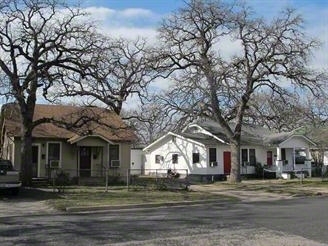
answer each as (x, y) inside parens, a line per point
(299, 221)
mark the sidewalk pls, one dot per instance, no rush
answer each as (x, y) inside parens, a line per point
(142, 206)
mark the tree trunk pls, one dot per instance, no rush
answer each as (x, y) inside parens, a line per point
(235, 163)
(26, 157)
(27, 112)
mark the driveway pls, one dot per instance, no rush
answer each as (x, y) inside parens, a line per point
(25, 203)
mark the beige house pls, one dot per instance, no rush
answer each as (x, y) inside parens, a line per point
(82, 141)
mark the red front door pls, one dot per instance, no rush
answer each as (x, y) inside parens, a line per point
(269, 158)
(227, 162)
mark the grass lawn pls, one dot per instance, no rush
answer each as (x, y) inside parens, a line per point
(308, 186)
(97, 196)
(83, 196)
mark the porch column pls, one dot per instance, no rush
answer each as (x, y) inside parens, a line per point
(308, 161)
(294, 158)
(278, 163)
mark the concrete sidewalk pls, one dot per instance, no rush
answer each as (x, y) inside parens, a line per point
(143, 205)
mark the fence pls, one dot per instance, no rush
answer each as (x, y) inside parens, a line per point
(162, 179)
(99, 176)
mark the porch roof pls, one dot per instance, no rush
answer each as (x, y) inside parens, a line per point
(77, 138)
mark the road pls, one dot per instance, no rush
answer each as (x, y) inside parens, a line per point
(288, 222)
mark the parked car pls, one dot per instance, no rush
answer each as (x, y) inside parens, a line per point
(9, 177)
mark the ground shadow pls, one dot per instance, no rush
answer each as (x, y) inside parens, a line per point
(28, 194)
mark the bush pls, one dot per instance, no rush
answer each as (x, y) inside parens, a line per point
(258, 170)
(61, 180)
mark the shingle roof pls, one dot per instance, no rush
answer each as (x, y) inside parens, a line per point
(251, 134)
(105, 123)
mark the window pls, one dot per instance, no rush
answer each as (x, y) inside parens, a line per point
(244, 157)
(175, 158)
(158, 159)
(195, 158)
(283, 154)
(54, 152)
(300, 156)
(252, 157)
(248, 157)
(114, 154)
(212, 157)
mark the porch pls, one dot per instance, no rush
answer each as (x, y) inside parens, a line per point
(293, 160)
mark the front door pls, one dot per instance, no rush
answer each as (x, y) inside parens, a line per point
(227, 162)
(269, 158)
(85, 161)
(35, 160)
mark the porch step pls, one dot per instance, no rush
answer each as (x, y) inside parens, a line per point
(40, 181)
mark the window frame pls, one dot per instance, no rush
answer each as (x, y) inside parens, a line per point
(60, 152)
(212, 162)
(118, 154)
(247, 158)
(195, 157)
(159, 159)
(175, 158)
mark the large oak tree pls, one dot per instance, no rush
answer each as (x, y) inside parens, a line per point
(41, 42)
(270, 56)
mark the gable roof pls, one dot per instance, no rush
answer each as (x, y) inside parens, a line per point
(170, 135)
(250, 135)
(69, 122)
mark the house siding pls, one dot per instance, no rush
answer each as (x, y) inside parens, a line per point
(69, 156)
(125, 159)
(185, 148)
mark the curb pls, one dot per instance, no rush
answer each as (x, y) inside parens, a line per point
(138, 206)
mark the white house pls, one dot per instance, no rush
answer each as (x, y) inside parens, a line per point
(202, 149)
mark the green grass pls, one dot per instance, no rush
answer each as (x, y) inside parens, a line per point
(92, 196)
(308, 187)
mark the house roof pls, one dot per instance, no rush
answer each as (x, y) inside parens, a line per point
(170, 135)
(250, 135)
(69, 122)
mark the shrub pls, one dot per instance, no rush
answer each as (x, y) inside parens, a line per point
(61, 180)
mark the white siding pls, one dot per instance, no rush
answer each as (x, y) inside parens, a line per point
(184, 148)
(325, 158)
(295, 142)
(136, 159)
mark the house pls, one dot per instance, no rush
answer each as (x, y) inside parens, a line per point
(202, 149)
(82, 141)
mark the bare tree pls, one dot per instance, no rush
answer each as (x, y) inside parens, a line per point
(294, 112)
(119, 69)
(270, 56)
(150, 121)
(41, 42)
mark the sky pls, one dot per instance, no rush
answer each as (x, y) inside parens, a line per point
(133, 18)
